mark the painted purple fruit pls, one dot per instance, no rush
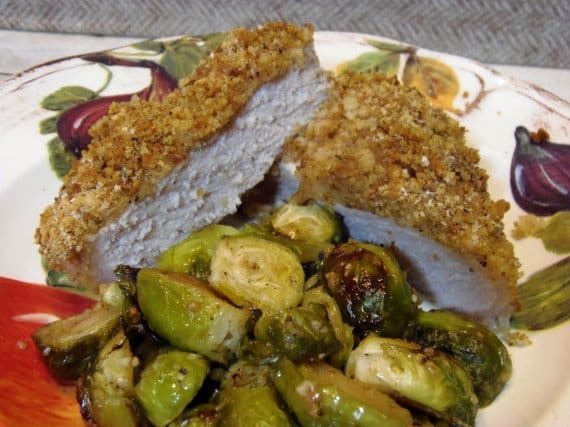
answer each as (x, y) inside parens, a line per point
(74, 124)
(540, 174)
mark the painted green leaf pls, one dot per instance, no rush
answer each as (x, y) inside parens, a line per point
(544, 298)
(59, 159)
(67, 97)
(390, 47)
(373, 62)
(48, 125)
(151, 45)
(181, 57)
(212, 41)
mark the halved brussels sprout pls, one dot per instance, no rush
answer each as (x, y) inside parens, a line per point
(169, 383)
(68, 345)
(320, 395)
(431, 380)
(312, 223)
(255, 272)
(370, 289)
(185, 312)
(205, 415)
(247, 398)
(306, 251)
(300, 333)
(106, 391)
(342, 331)
(482, 353)
(194, 254)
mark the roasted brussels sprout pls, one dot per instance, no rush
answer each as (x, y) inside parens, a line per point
(342, 331)
(433, 381)
(169, 383)
(482, 353)
(370, 289)
(306, 251)
(194, 254)
(106, 391)
(255, 272)
(68, 345)
(300, 333)
(247, 398)
(312, 223)
(185, 312)
(320, 395)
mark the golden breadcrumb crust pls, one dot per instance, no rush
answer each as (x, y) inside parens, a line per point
(381, 147)
(140, 142)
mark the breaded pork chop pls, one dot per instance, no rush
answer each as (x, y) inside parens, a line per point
(399, 172)
(156, 171)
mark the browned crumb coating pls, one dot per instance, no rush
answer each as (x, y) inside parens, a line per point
(140, 142)
(381, 147)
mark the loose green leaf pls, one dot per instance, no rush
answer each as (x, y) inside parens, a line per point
(59, 159)
(48, 125)
(390, 47)
(544, 298)
(59, 279)
(151, 45)
(67, 97)
(374, 62)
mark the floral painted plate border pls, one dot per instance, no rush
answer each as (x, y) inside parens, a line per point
(32, 156)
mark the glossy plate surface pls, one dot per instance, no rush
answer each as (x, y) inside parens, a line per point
(488, 104)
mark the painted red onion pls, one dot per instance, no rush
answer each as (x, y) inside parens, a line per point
(74, 124)
(540, 174)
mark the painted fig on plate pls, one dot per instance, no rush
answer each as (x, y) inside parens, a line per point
(74, 124)
(540, 173)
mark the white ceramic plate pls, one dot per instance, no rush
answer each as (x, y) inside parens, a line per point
(488, 104)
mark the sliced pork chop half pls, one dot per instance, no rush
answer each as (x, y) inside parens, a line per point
(399, 171)
(156, 171)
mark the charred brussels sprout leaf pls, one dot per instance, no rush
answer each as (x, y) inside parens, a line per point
(247, 398)
(300, 333)
(370, 289)
(342, 331)
(312, 223)
(68, 345)
(194, 254)
(186, 313)
(320, 395)
(255, 272)
(105, 393)
(431, 380)
(482, 353)
(169, 383)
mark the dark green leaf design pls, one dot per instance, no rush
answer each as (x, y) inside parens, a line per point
(544, 298)
(48, 125)
(151, 45)
(390, 47)
(67, 97)
(59, 159)
(182, 55)
(374, 62)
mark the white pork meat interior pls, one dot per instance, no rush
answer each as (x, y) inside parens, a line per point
(209, 184)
